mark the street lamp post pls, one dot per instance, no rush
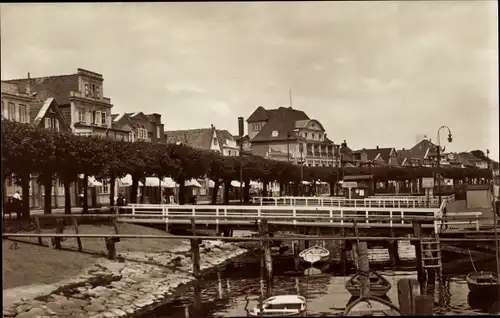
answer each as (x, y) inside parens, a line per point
(450, 139)
(301, 150)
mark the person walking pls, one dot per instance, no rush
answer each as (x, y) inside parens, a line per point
(120, 201)
(17, 204)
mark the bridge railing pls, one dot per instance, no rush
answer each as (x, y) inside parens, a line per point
(303, 216)
(380, 202)
(448, 198)
(296, 215)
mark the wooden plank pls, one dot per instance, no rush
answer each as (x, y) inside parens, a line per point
(364, 268)
(38, 229)
(78, 239)
(408, 289)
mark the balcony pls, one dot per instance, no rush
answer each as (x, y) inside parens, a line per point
(104, 100)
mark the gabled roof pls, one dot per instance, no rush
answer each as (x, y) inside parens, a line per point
(58, 87)
(223, 136)
(373, 153)
(420, 149)
(281, 120)
(123, 117)
(402, 155)
(38, 110)
(346, 153)
(260, 114)
(197, 138)
(140, 116)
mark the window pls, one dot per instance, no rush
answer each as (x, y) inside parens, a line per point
(89, 117)
(57, 124)
(305, 135)
(97, 92)
(97, 118)
(92, 90)
(142, 133)
(81, 115)
(131, 136)
(23, 115)
(103, 119)
(12, 111)
(86, 90)
(275, 133)
(104, 189)
(256, 126)
(48, 123)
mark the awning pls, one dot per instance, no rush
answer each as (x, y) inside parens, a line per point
(93, 182)
(154, 182)
(126, 181)
(236, 183)
(170, 183)
(192, 183)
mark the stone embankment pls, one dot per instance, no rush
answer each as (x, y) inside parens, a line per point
(133, 285)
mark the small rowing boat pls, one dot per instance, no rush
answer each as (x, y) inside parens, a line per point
(281, 306)
(379, 286)
(315, 254)
(483, 282)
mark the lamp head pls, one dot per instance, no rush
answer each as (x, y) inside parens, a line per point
(450, 138)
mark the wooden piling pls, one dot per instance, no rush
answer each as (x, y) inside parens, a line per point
(411, 302)
(424, 305)
(268, 257)
(78, 239)
(296, 252)
(195, 251)
(38, 229)
(306, 242)
(59, 230)
(343, 252)
(392, 246)
(364, 268)
(111, 247)
(417, 232)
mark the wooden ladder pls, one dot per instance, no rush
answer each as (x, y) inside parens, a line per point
(431, 254)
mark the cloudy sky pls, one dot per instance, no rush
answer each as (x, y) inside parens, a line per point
(374, 73)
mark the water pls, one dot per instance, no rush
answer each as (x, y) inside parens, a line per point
(230, 293)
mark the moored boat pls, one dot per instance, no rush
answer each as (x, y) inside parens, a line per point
(315, 254)
(281, 306)
(483, 282)
(379, 286)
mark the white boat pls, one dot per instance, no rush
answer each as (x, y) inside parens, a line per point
(281, 306)
(315, 254)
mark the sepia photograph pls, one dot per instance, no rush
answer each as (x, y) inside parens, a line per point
(250, 158)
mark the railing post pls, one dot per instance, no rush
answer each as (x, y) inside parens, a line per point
(390, 219)
(399, 204)
(477, 222)
(341, 217)
(307, 202)
(331, 216)
(217, 221)
(259, 215)
(402, 217)
(294, 216)
(275, 202)
(367, 216)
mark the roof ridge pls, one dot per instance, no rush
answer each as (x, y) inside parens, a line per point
(33, 78)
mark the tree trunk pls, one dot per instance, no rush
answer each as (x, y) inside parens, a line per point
(47, 198)
(142, 190)
(215, 190)
(314, 188)
(133, 191)
(282, 188)
(25, 186)
(264, 189)
(227, 184)
(182, 191)
(67, 196)
(246, 191)
(332, 188)
(85, 193)
(112, 179)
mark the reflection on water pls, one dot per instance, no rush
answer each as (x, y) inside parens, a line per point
(230, 293)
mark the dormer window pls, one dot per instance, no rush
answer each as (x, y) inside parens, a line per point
(275, 133)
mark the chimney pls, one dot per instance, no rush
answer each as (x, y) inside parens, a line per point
(28, 89)
(377, 147)
(344, 144)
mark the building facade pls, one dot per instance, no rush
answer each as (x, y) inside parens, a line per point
(288, 134)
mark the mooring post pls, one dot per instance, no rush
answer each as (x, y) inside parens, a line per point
(268, 258)
(417, 233)
(343, 252)
(195, 251)
(296, 253)
(78, 239)
(306, 242)
(38, 228)
(111, 247)
(364, 268)
(393, 249)
(59, 230)
(354, 245)
(411, 303)
(262, 263)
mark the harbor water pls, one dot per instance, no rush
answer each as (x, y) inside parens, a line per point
(239, 287)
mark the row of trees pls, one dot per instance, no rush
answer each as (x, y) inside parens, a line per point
(28, 151)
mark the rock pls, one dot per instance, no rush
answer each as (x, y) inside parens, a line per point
(9, 312)
(128, 309)
(34, 312)
(119, 312)
(23, 308)
(108, 315)
(95, 307)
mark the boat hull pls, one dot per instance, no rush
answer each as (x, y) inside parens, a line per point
(315, 254)
(275, 314)
(379, 286)
(487, 286)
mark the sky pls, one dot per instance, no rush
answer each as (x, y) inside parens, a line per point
(373, 73)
